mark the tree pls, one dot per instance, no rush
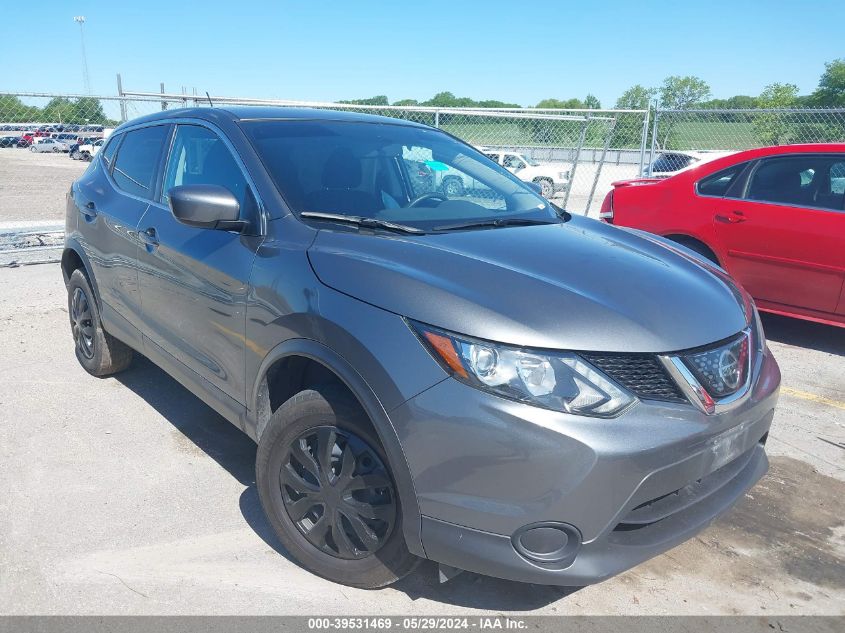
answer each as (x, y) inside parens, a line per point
(13, 110)
(378, 100)
(406, 102)
(592, 102)
(637, 97)
(681, 93)
(776, 128)
(557, 104)
(831, 90)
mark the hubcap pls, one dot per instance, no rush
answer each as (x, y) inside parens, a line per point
(337, 492)
(82, 323)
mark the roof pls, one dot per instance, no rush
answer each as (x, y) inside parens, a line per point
(245, 113)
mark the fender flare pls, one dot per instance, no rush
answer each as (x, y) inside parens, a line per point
(316, 351)
(71, 244)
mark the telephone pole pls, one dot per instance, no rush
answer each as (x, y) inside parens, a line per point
(80, 19)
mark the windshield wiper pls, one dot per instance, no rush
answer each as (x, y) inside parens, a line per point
(357, 220)
(494, 222)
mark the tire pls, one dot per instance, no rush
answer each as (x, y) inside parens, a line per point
(99, 353)
(547, 187)
(453, 187)
(32, 148)
(74, 155)
(316, 527)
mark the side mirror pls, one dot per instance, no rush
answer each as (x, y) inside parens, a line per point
(535, 187)
(206, 206)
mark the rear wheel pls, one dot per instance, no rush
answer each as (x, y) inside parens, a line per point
(326, 488)
(698, 247)
(99, 353)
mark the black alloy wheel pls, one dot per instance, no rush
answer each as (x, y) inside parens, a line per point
(82, 323)
(338, 493)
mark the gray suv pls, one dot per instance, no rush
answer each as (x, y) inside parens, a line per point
(476, 378)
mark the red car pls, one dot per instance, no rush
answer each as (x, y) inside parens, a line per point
(774, 218)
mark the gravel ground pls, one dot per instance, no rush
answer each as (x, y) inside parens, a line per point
(128, 495)
(33, 186)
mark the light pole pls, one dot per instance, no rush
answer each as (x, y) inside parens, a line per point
(80, 19)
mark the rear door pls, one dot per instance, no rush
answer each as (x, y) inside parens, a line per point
(194, 281)
(110, 204)
(783, 237)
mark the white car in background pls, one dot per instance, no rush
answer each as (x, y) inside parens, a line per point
(49, 145)
(669, 163)
(87, 151)
(552, 177)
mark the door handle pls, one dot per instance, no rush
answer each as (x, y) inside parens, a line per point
(89, 210)
(149, 237)
(734, 217)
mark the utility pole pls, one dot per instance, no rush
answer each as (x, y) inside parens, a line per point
(80, 19)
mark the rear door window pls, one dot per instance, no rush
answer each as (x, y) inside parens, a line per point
(137, 161)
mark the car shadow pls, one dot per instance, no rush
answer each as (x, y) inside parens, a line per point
(800, 333)
(235, 453)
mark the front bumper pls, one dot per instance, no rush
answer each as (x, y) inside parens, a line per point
(628, 488)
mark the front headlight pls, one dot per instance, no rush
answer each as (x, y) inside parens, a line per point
(562, 381)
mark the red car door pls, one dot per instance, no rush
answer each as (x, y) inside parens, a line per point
(784, 239)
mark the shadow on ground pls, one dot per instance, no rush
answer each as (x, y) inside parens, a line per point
(235, 452)
(823, 338)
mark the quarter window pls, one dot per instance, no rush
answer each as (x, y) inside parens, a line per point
(200, 157)
(718, 184)
(137, 161)
(111, 148)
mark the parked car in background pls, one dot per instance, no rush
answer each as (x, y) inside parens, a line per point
(86, 151)
(774, 218)
(9, 141)
(49, 145)
(552, 177)
(27, 139)
(488, 382)
(670, 163)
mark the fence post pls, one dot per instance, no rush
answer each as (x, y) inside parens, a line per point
(644, 140)
(653, 140)
(437, 118)
(599, 168)
(122, 101)
(163, 102)
(577, 158)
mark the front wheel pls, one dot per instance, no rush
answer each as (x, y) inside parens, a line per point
(33, 149)
(327, 490)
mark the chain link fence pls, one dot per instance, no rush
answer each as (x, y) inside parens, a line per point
(574, 155)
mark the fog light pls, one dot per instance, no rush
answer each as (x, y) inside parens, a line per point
(548, 542)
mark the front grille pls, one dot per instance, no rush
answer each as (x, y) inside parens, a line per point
(642, 374)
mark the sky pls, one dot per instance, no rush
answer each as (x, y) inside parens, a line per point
(322, 50)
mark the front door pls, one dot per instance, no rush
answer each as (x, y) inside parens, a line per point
(194, 281)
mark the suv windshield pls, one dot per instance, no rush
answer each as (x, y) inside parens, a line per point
(397, 173)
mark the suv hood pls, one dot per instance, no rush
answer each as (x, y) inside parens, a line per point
(580, 285)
